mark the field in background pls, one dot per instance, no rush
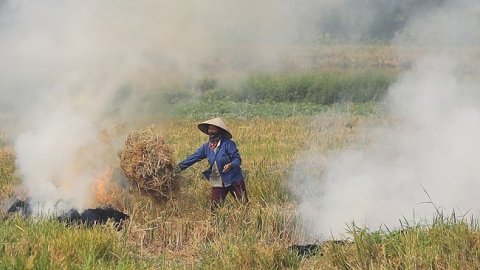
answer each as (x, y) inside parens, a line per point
(316, 75)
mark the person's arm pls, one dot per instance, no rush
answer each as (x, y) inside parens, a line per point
(235, 159)
(194, 158)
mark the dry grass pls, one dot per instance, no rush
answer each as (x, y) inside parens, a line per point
(148, 164)
(9, 180)
(182, 233)
(232, 59)
(183, 230)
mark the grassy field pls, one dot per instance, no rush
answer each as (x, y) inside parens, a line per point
(181, 233)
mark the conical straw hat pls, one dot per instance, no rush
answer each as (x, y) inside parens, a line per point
(218, 122)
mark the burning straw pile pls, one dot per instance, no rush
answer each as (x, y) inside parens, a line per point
(148, 164)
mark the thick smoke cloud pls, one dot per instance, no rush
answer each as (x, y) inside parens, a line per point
(67, 68)
(425, 161)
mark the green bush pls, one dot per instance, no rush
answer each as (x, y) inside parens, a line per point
(312, 88)
(206, 84)
(319, 88)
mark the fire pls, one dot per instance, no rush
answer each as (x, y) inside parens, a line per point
(106, 191)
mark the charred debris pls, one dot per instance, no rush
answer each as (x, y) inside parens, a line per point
(315, 249)
(88, 217)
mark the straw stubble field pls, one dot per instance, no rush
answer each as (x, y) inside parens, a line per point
(242, 237)
(181, 232)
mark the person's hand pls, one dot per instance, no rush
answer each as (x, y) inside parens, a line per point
(227, 167)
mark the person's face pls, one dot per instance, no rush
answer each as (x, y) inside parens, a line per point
(212, 129)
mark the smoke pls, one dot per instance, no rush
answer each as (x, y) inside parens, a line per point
(70, 70)
(423, 162)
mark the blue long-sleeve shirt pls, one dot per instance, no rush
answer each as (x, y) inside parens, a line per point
(227, 153)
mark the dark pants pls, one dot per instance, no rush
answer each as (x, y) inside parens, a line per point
(237, 189)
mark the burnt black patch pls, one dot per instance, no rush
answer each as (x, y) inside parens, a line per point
(91, 217)
(314, 249)
(305, 250)
(72, 217)
(18, 207)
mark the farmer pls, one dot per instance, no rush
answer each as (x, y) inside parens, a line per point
(224, 172)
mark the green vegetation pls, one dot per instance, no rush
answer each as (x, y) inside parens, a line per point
(48, 244)
(322, 88)
(318, 88)
(247, 110)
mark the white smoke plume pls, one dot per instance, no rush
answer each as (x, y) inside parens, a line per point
(427, 162)
(64, 65)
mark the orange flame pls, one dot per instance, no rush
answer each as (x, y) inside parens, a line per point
(107, 192)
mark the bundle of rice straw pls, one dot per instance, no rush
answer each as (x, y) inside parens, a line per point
(148, 164)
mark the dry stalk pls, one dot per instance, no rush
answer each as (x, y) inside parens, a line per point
(147, 162)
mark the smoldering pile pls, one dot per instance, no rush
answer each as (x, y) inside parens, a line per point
(148, 164)
(88, 217)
